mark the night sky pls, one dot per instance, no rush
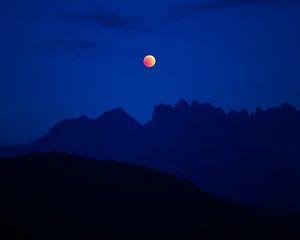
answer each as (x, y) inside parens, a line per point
(64, 58)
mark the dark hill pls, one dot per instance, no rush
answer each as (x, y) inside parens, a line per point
(58, 196)
(240, 156)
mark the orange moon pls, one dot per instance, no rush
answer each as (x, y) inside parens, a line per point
(149, 61)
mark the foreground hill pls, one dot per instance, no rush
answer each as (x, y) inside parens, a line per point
(250, 158)
(58, 196)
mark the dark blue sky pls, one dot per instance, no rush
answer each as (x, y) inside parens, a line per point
(63, 58)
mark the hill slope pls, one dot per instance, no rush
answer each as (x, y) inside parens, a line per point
(58, 196)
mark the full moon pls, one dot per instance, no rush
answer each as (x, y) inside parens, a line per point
(149, 61)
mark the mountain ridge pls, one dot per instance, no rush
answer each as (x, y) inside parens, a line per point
(240, 156)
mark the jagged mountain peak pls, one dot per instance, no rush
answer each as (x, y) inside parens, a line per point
(162, 111)
(286, 107)
(184, 109)
(182, 105)
(117, 116)
(114, 112)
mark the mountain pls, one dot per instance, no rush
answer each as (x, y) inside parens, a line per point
(60, 196)
(245, 157)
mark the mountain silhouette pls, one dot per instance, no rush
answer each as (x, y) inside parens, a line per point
(244, 157)
(60, 196)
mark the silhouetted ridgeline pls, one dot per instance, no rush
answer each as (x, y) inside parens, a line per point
(252, 158)
(59, 196)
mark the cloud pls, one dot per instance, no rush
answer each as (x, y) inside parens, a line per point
(71, 44)
(104, 47)
(108, 19)
(189, 9)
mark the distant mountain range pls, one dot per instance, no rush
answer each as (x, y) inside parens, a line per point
(60, 196)
(250, 158)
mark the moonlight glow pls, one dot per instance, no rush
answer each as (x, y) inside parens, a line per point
(149, 61)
